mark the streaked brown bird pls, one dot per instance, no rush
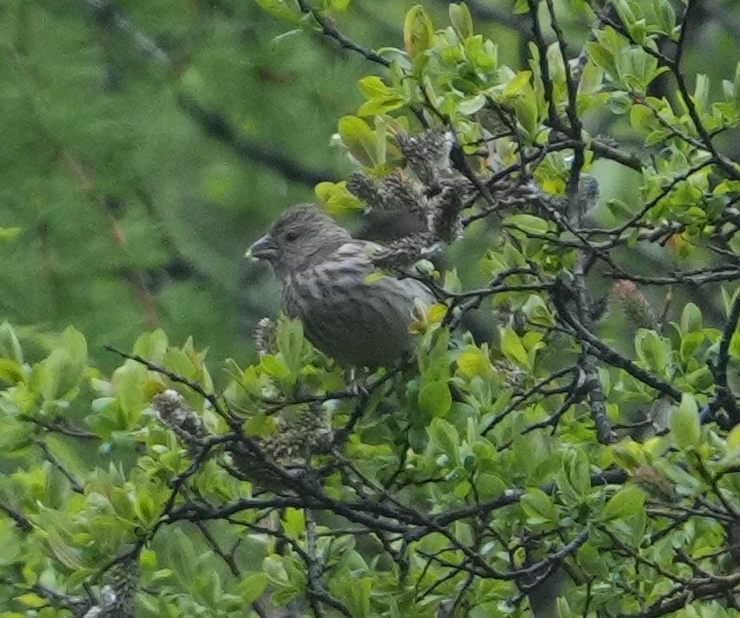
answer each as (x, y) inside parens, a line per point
(324, 279)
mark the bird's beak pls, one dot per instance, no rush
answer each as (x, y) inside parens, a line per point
(263, 249)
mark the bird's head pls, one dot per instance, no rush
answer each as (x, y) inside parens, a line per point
(301, 236)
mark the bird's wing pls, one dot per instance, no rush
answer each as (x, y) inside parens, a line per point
(360, 251)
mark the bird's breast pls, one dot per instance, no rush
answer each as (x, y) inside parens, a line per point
(356, 319)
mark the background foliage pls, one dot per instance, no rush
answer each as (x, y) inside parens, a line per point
(577, 454)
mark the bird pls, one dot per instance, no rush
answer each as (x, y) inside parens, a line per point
(353, 313)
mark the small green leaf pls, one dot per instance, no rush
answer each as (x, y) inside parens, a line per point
(372, 87)
(435, 399)
(446, 437)
(628, 501)
(666, 16)
(511, 346)
(273, 568)
(684, 423)
(517, 85)
(461, 20)
(64, 553)
(152, 346)
(537, 311)
(690, 345)
(472, 362)
(287, 11)
(251, 587)
(290, 343)
(62, 370)
(294, 522)
(489, 485)
(10, 347)
(538, 507)
(691, 319)
(732, 445)
(525, 109)
(275, 367)
(379, 97)
(336, 197)
(471, 105)
(652, 349)
(360, 140)
(145, 509)
(579, 472)
(418, 31)
(528, 223)
(700, 379)
(701, 92)
(602, 58)
(564, 610)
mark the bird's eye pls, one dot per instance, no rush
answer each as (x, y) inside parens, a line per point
(291, 236)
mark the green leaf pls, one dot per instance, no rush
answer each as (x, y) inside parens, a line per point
(701, 92)
(489, 485)
(11, 542)
(336, 197)
(62, 370)
(276, 367)
(251, 587)
(446, 437)
(519, 84)
(700, 379)
(602, 58)
(528, 223)
(461, 20)
(511, 346)
(380, 98)
(435, 399)
(628, 501)
(282, 9)
(377, 107)
(653, 351)
(418, 31)
(578, 470)
(153, 346)
(691, 318)
(538, 507)
(525, 109)
(295, 522)
(65, 554)
(358, 600)
(274, 569)
(472, 362)
(128, 383)
(373, 87)
(145, 509)
(666, 16)
(537, 311)
(290, 343)
(360, 140)
(690, 345)
(684, 423)
(564, 610)
(732, 445)
(10, 347)
(471, 105)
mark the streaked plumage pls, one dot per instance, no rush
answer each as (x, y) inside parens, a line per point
(324, 278)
